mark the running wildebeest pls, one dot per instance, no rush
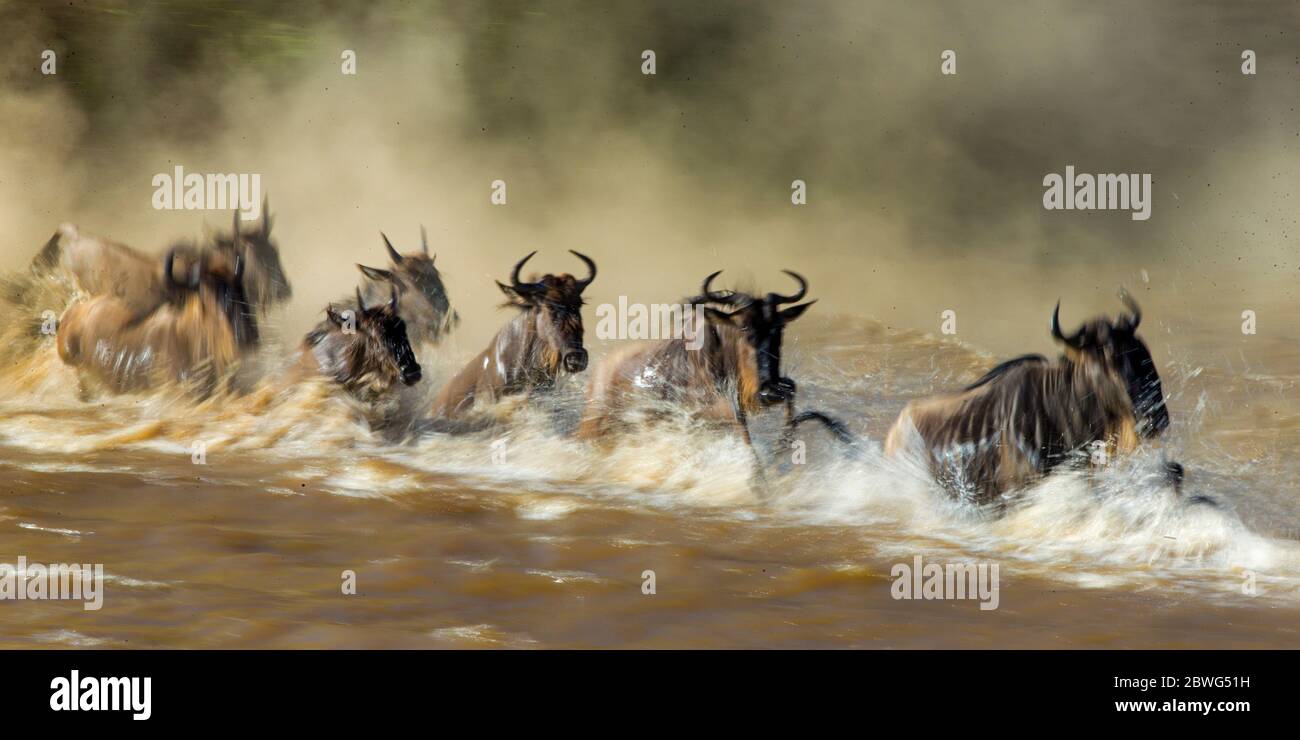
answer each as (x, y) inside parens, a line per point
(1029, 416)
(106, 268)
(736, 370)
(265, 281)
(194, 336)
(530, 351)
(365, 350)
(423, 303)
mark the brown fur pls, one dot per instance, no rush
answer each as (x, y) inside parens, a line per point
(106, 268)
(423, 299)
(529, 352)
(1029, 416)
(720, 380)
(368, 361)
(188, 338)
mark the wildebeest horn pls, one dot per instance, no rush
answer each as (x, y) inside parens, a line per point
(591, 269)
(392, 253)
(803, 290)
(361, 303)
(424, 242)
(234, 231)
(1133, 308)
(167, 265)
(1056, 329)
(728, 298)
(523, 288)
(266, 215)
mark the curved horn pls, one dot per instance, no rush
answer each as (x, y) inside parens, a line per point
(392, 253)
(424, 240)
(728, 298)
(514, 277)
(591, 269)
(803, 290)
(1056, 329)
(361, 303)
(234, 231)
(266, 216)
(1133, 308)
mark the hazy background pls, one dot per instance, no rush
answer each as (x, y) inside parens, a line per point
(924, 190)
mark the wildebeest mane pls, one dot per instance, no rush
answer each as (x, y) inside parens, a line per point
(1003, 368)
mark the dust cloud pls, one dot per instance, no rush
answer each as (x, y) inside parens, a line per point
(924, 190)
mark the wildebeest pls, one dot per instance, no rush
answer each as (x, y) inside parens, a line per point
(365, 350)
(736, 370)
(194, 336)
(265, 281)
(1028, 416)
(106, 268)
(530, 351)
(423, 302)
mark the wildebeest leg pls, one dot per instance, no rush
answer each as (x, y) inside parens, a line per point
(1174, 476)
(760, 480)
(1124, 440)
(834, 426)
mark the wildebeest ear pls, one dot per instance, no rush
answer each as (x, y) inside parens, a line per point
(374, 273)
(713, 314)
(794, 312)
(333, 315)
(515, 296)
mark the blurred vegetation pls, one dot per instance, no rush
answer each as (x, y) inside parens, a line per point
(522, 57)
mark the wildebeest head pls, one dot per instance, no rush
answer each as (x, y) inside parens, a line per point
(384, 348)
(424, 301)
(220, 277)
(555, 306)
(762, 323)
(266, 282)
(1116, 348)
